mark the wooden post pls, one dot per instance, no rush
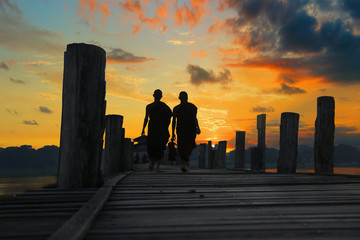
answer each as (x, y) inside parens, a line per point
(261, 125)
(288, 143)
(126, 162)
(221, 155)
(82, 123)
(324, 135)
(113, 141)
(202, 153)
(210, 155)
(254, 164)
(240, 149)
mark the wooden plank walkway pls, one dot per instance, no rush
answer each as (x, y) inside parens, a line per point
(225, 204)
(201, 204)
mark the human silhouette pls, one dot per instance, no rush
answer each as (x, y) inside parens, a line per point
(158, 129)
(187, 126)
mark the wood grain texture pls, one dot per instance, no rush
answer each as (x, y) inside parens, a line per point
(229, 204)
(324, 135)
(288, 143)
(82, 122)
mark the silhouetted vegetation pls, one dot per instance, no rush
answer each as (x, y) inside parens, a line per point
(26, 161)
(344, 156)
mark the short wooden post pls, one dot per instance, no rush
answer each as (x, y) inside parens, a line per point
(261, 125)
(221, 155)
(113, 141)
(254, 164)
(240, 149)
(82, 123)
(324, 135)
(202, 153)
(126, 162)
(210, 155)
(289, 128)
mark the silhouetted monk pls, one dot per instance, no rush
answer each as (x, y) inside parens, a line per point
(158, 129)
(187, 127)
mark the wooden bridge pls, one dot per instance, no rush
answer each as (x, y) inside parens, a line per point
(201, 204)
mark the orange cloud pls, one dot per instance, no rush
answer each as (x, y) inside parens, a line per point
(192, 14)
(153, 23)
(136, 29)
(179, 15)
(202, 54)
(93, 6)
(193, 53)
(216, 27)
(230, 52)
(162, 12)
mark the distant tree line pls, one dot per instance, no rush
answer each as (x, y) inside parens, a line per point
(27, 161)
(344, 156)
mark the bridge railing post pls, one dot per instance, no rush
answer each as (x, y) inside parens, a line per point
(261, 126)
(202, 153)
(288, 152)
(239, 149)
(210, 155)
(127, 161)
(324, 135)
(113, 142)
(82, 122)
(221, 155)
(254, 163)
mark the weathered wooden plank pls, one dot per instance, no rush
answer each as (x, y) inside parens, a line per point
(212, 204)
(80, 222)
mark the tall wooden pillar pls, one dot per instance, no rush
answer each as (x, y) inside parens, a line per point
(289, 128)
(254, 163)
(210, 155)
(324, 135)
(240, 149)
(113, 142)
(126, 162)
(261, 126)
(202, 153)
(82, 123)
(221, 155)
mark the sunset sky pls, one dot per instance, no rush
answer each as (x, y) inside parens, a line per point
(236, 59)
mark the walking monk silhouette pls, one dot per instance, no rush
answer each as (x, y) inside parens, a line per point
(158, 129)
(187, 126)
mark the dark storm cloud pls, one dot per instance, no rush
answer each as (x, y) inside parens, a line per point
(4, 66)
(259, 109)
(118, 55)
(299, 34)
(199, 75)
(342, 129)
(45, 110)
(353, 7)
(287, 89)
(279, 28)
(18, 81)
(30, 122)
